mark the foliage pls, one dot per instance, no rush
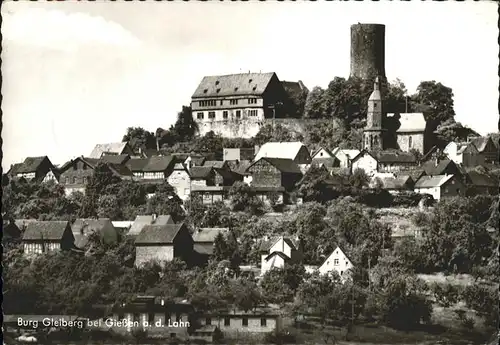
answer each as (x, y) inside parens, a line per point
(139, 139)
(446, 295)
(166, 201)
(280, 285)
(450, 130)
(484, 300)
(275, 132)
(244, 198)
(100, 182)
(359, 179)
(226, 248)
(314, 186)
(108, 207)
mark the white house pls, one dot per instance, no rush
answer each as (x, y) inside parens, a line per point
(293, 150)
(440, 186)
(463, 153)
(345, 156)
(365, 161)
(322, 153)
(337, 261)
(277, 253)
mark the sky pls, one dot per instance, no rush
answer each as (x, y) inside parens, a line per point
(79, 73)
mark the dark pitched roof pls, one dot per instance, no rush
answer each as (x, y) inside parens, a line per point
(30, 164)
(159, 234)
(483, 180)
(233, 84)
(214, 164)
(480, 143)
(120, 170)
(432, 169)
(208, 234)
(158, 163)
(115, 159)
(137, 164)
(294, 87)
(200, 173)
(239, 167)
(280, 254)
(46, 230)
(198, 160)
(89, 225)
(227, 174)
(433, 181)
(394, 157)
(327, 162)
(282, 164)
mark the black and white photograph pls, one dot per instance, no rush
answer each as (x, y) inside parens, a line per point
(250, 172)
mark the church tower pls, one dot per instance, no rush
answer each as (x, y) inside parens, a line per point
(373, 133)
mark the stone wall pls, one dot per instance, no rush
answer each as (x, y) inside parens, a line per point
(144, 254)
(417, 141)
(247, 128)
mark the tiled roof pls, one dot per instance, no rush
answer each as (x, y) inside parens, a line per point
(315, 152)
(214, 164)
(432, 181)
(159, 234)
(327, 162)
(139, 223)
(294, 87)
(227, 174)
(23, 223)
(89, 225)
(280, 254)
(410, 122)
(99, 149)
(158, 163)
(164, 220)
(198, 160)
(199, 173)
(208, 234)
(30, 164)
(115, 159)
(46, 230)
(239, 167)
(285, 150)
(395, 183)
(432, 169)
(233, 84)
(137, 164)
(480, 143)
(394, 157)
(120, 170)
(283, 165)
(349, 153)
(483, 180)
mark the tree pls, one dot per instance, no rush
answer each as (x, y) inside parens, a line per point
(100, 182)
(280, 285)
(484, 300)
(139, 138)
(244, 198)
(109, 207)
(359, 179)
(275, 132)
(436, 101)
(185, 126)
(449, 130)
(314, 186)
(166, 201)
(314, 107)
(446, 295)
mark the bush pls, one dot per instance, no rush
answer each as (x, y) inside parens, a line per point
(407, 199)
(446, 295)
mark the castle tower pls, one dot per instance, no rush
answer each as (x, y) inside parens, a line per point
(368, 51)
(373, 134)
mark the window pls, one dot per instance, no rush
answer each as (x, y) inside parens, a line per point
(227, 321)
(208, 321)
(252, 112)
(263, 322)
(336, 262)
(233, 101)
(199, 116)
(252, 101)
(74, 180)
(224, 114)
(84, 167)
(75, 166)
(341, 272)
(211, 114)
(244, 322)
(238, 114)
(221, 102)
(208, 103)
(409, 142)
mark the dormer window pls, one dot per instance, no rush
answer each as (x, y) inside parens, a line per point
(250, 81)
(254, 88)
(218, 90)
(217, 82)
(205, 91)
(235, 89)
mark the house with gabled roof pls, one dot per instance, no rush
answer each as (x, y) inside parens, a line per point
(111, 149)
(295, 151)
(487, 149)
(278, 252)
(163, 243)
(47, 236)
(441, 186)
(337, 262)
(388, 161)
(180, 180)
(82, 228)
(204, 239)
(394, 184)
(345, 156)
(220, 103)
(34, 168)
(10, 231)
(268, 171)
(115, 159)
(76, 173)
(142, 220)
(410, 133)
(482, 183)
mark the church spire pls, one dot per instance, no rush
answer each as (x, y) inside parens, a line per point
(373, 134)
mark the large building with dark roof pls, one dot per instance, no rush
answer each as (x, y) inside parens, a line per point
(236, 105)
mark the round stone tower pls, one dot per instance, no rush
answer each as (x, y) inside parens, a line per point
(368, 51)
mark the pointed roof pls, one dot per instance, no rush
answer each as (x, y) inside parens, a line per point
(159, 234)
(30, 165)
(410, 122)
(208, 234)
(333, 252)
(283, 165)
(233, 84)
(115, 159)
(45, 230)
(99, 149)
(433, 181)
(481, 142)
(282, 149)
(375, 95)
